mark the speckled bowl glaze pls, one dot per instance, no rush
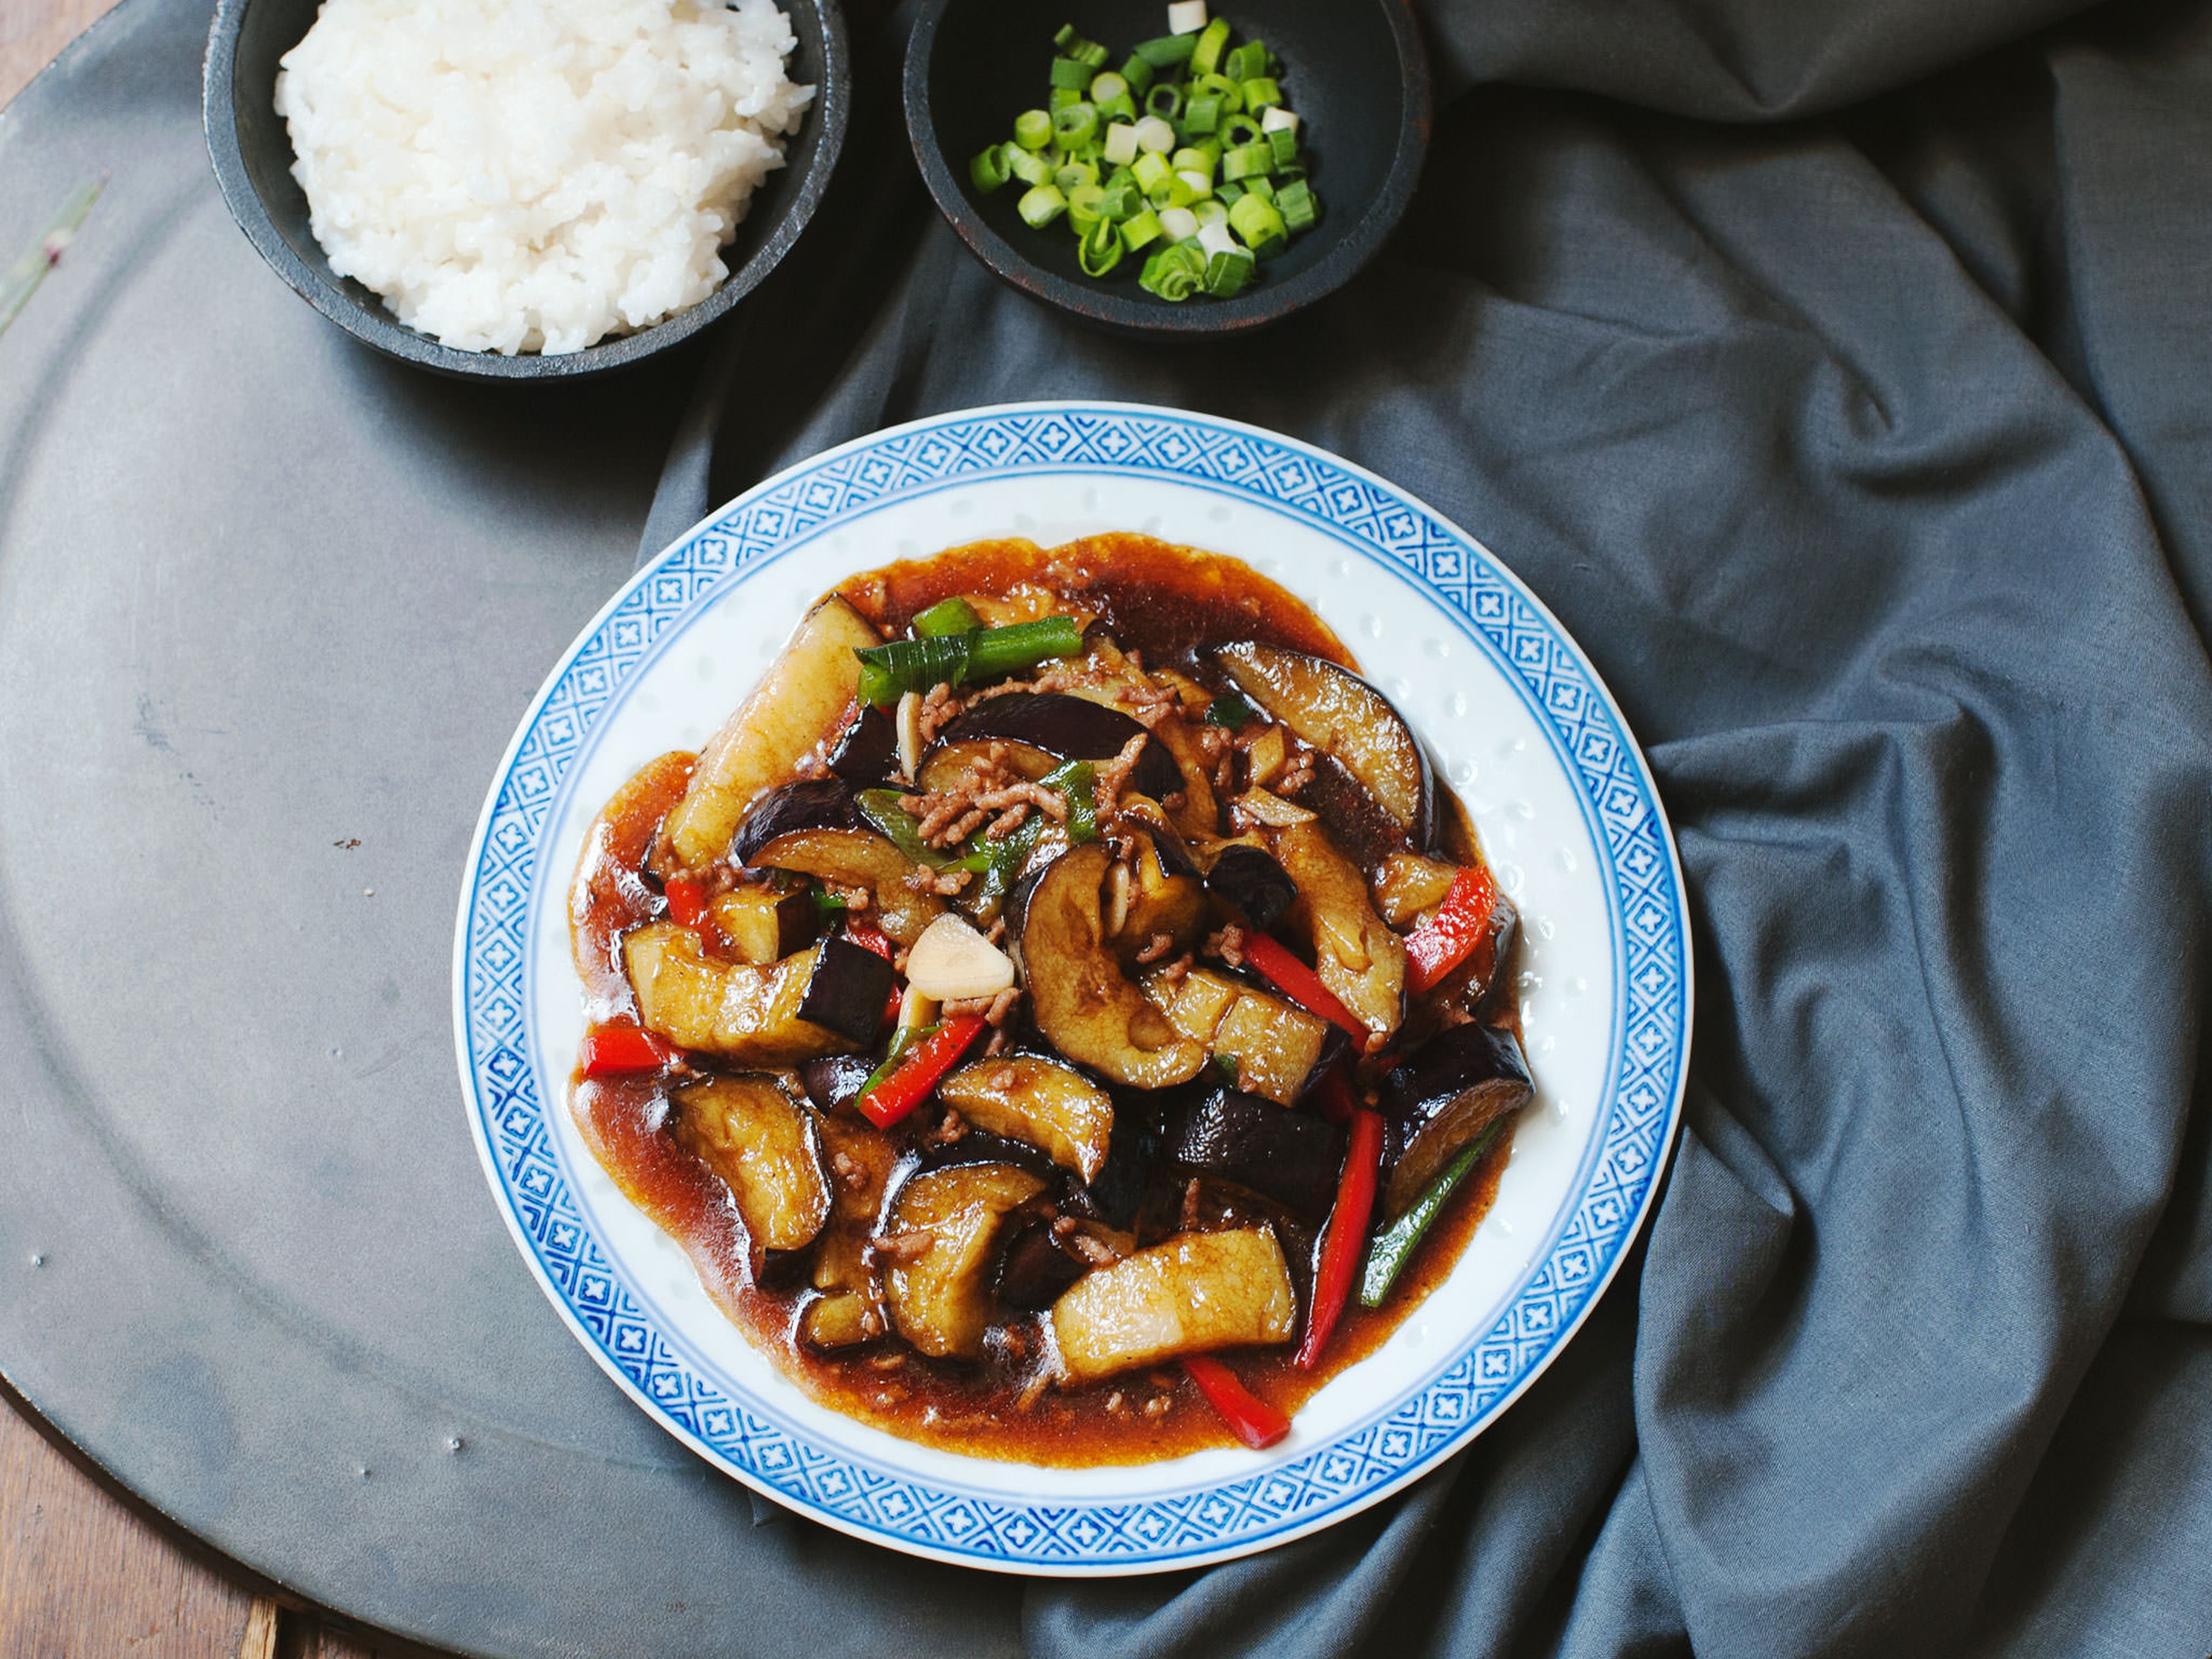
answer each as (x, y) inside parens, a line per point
(1354, 69)
(253, 157)
(1517, 722)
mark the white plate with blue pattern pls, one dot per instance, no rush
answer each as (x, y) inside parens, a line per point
(1517, 722)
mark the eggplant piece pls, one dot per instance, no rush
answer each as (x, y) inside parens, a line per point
(848, 991)
(763, 925)
(764, 1143)
(1252, 883)
(1441, 1096)
(834, 1080)
(741, 1012)
(850, 1308)
(947, 763)
(1358, 958)
(941, 1301)
(803, 694)
(1157, 901)
(1030, 1098)
(866, 753)
(1364, 830)
(809, 804)
(1069, 727)
(1195, 1292)
(855, 857)
(1082, 1002)
(1407, 884)
(1034, 1270)
(982, 1146)
(1289, 1157)
(1342, 715)
(1116, 1193)
(839, 1319)
(1277, 1046)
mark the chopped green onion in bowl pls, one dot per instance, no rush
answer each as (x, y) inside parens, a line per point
(1187, 156)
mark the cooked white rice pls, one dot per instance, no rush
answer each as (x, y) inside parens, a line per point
(518, 175)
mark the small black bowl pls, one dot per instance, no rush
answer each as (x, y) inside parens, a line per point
(1354, 69)
(253, 156)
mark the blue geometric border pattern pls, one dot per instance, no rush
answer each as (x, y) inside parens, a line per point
(1232, 1517)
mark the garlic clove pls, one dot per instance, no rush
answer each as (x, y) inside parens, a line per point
(952, 960)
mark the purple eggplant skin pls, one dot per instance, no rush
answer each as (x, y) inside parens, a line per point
(1367, 834)
(1289, 1157)
(980, 1146)
(1442, 1096)
(1117, 1194)
(834, 1079)
(866, 753)
(1033, 1270)
(1254, 884)
(848, 991)
(1073, 728)
(810, 803)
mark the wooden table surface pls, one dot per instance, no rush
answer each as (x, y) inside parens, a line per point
(84, 1573)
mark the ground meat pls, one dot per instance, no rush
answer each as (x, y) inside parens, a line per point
(850, 1176)
(1113, 775)
(1297, 774)
(951, 1128)
(942, 882)
(939, 710)
(994, 1009)
(1228, 945)
(1173, 973)
(899, 1248)
(1160, 945)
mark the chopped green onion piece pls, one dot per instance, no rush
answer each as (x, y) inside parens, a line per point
(1226, 1065)
(1141, 230)
(1155, 137)
(1284, 143)
(1178, 224)
(1186, 16)
(1228, 195)
(989, 169)
(1245, 61)
(1062, 97)
(1003, 859)
(828, 907)
(1033, 129)
(1085, 207)
(1120, 202)
(953, 615)
(1175, 272)
(1121, 146)
(1073, 175)
(1260, 225)
(1297, 203)
(1150, 171)
(1395, 1245)
(1168, 52)
(1070, 74)
(1072, 127)
(1226, 273)
(1107, 85)
(1231, 709)
(1100, 250)
(1261, 188)
(889, 671)
(1201, 114)
(1221, 87)
(1196, 187)
(1247, 161)
(1073, 46)
(1118, 109)
(1212, 42)
(1241, 130)
(1041, 204)
(1076, 780)
(1028, 165)
(1138, 73)
(1164, 101)
(1192, 160)
(1211, 211)
(1260, 93)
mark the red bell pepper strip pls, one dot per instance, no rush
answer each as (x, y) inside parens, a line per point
(1299, 982)
(1336, 1097)
(870, 938)
(688, 907)
(1345, 1241)
(619, 1050)
(909, 1084)
(1250, 1418)
(1452, 930)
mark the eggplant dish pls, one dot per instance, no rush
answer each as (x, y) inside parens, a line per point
(1059, 1014)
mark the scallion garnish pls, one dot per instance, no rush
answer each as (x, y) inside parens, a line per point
(1186, 152)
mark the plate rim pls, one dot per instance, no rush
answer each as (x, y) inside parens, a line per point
(527, 1244)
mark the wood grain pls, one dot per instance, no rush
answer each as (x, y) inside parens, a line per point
(83, 1574)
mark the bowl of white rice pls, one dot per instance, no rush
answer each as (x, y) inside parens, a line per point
(524, 189)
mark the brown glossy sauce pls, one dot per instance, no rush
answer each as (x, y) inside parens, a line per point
(1166, 602)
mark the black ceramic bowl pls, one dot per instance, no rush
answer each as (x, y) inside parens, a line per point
(253, 156)
(1353, 70)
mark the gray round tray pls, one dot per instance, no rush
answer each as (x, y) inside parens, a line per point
(269, 609)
